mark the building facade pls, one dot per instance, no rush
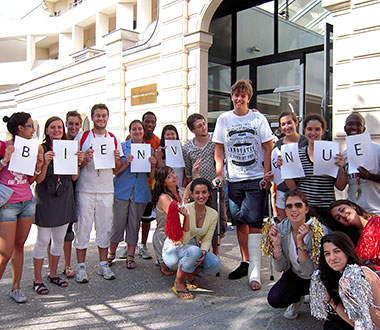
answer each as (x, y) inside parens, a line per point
(178, 57)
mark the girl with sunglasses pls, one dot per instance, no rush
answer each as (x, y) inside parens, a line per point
(295, 251)
(17, 214)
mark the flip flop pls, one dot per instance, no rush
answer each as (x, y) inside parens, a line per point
(192, 285)
(178, 293)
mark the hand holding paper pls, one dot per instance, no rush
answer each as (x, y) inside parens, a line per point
(65, 157)
(275, 169)
(104, 153)
(291, 167)
(359, 152)
(140, 162)
(325, 158)
(24, 157)
(174, 157)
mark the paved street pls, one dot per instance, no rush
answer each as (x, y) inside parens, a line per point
(142, 299)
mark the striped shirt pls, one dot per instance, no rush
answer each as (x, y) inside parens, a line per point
(319, 189)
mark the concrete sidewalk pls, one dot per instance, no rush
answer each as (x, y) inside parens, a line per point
(142, 299)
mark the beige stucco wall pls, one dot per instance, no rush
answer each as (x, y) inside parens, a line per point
(356, 63)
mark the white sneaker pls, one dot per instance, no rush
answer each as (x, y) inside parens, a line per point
(81, 275)
(292, 312)
(143, 252)
(18, 296)
(124, 254)
(106, 272)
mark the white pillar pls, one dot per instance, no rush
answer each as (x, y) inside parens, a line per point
(144, 14)
(101, 29)
(64, 45)
(30, 50)
(124, 16)
(78, 38)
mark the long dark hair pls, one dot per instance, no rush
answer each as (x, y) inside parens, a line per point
(359, 210)
(167, 128)
(16, 120)
(160, 187)
(330, 278)
(202, 181)
(351, 231)
(47, 139)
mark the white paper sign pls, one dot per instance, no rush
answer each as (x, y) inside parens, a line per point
(291, 166)
(65, 160)
(275, 170)
(104, 153)
(173, 151)
(324, 153)
(141, 153)
(24, 157)
(359, 152)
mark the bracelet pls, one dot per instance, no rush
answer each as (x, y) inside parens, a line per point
(301, 248)
(3, 163)
(37, 172)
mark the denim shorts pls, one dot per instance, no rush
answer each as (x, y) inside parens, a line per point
(246, 202)
(20, 210)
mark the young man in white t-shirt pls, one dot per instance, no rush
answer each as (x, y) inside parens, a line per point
(245, 139)
(364, 186)
(94, 192)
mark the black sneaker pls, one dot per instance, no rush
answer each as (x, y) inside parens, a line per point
(239, 272)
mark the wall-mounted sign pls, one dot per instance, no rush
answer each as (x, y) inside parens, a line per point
(144, 94)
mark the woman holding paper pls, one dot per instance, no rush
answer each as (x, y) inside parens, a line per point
(366, 224)
(132, 194)
(169, 132)
(288, 123)
(295, 248)
(319, 189)
(16, 215)
(55, 207)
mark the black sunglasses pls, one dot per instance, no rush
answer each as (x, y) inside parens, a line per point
(298, 205)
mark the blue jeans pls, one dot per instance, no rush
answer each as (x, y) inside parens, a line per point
(246, 202)
(20, 210)
(185, 256)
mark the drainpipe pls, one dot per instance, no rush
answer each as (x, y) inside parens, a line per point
(123, 100)
(185, 70)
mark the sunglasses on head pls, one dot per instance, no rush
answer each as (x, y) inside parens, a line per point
(298, 205)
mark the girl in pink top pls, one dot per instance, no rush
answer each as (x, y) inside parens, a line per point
(17, 214)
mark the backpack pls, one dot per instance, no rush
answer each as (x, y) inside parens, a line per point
(85, 135)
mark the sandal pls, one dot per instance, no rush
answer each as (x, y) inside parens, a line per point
(68, 272)
(131, 262)
(57, 281)
(40, 288)
(110, 258)
(181, 294)
(192, 285)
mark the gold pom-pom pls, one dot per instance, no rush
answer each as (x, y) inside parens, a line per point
(317, 234)
(266, 242)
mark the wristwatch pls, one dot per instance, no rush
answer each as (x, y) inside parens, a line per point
(301, 248)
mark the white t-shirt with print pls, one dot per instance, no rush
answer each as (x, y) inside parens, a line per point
(242, 137)
(369, 198)
(90, 180)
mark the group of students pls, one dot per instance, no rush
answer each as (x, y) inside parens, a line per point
(238, 154)
(116, 200)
